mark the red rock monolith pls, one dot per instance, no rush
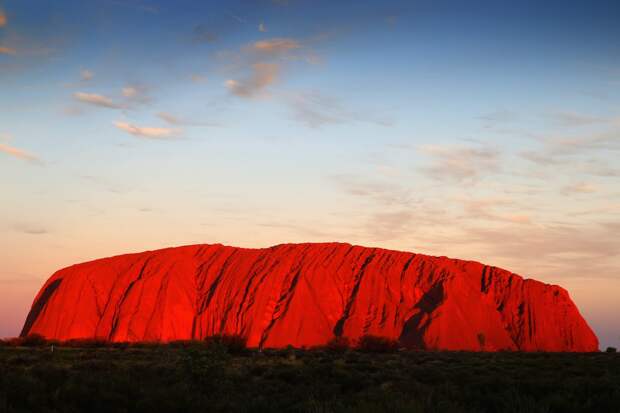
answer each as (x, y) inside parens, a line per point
(304, 295)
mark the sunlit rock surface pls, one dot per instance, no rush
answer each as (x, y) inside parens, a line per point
(304, 295)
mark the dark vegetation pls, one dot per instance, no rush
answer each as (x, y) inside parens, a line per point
(372, 375)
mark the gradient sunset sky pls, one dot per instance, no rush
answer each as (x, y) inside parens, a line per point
(480, 130)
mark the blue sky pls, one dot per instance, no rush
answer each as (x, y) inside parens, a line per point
(480, 130)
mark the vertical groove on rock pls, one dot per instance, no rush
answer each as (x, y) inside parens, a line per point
(484, 283)
(213, 287)
(286, 294)
(124, 297)
(338, 328)
(92, 286)
(283, 301)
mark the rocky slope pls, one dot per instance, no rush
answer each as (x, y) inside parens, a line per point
(304, 295)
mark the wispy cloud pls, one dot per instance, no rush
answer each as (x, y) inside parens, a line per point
(579, 188)
(486, 209)
(552, 158)
(609, 140)
(136, 93)
(316, 109)
(457, 163)
(561, 247)
(30, 229)
(3, 19)
(19, 153)
(576, 119)
(383, 226)
(237, 18)
(262, 28)
(129, 92)
(171, 119)
(197, 78)
(598, 167)
(384, 193)
(96, 100)
(263, 75)
(387, 209)
(258, 65)
(569, 152)
(274, 47)
(305, 230)
(541, 158)
(114, 187)
(216, 26)
(86, 75)
(7, 50)
(498, 117)
(203, 33)
(147, 132)
(178, 121)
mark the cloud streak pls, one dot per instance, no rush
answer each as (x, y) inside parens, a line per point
(19, 154)
(274, 47)
(383, 193)
(263, 75)
(498, 117)
(7, 50)
(579, 188)
(566, 245)
(590, 152)
(198, 78)
(86, 75)
(3, 19)
(315, 110)
(177, 121)
(30, 229)
(147, 132)
(485, 209)
(136, 94)
(458, 164)
(577, 119)
(609, 140)
(96, 100)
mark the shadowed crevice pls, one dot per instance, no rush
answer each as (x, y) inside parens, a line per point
(38, 306)
(412, 335)
(339, 327)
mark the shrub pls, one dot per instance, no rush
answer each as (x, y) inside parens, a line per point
(611, 350)
(232, 343)
(145, 344)
(32, 340)
(338, 345)
(13, 342)
(187, 344)
(377, 344)
(86, 343)
(122, 345)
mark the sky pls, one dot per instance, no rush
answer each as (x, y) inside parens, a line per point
(481, 130)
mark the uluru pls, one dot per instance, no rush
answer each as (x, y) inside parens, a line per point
(304, 295)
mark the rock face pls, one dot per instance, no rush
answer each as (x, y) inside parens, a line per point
(304, 295)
